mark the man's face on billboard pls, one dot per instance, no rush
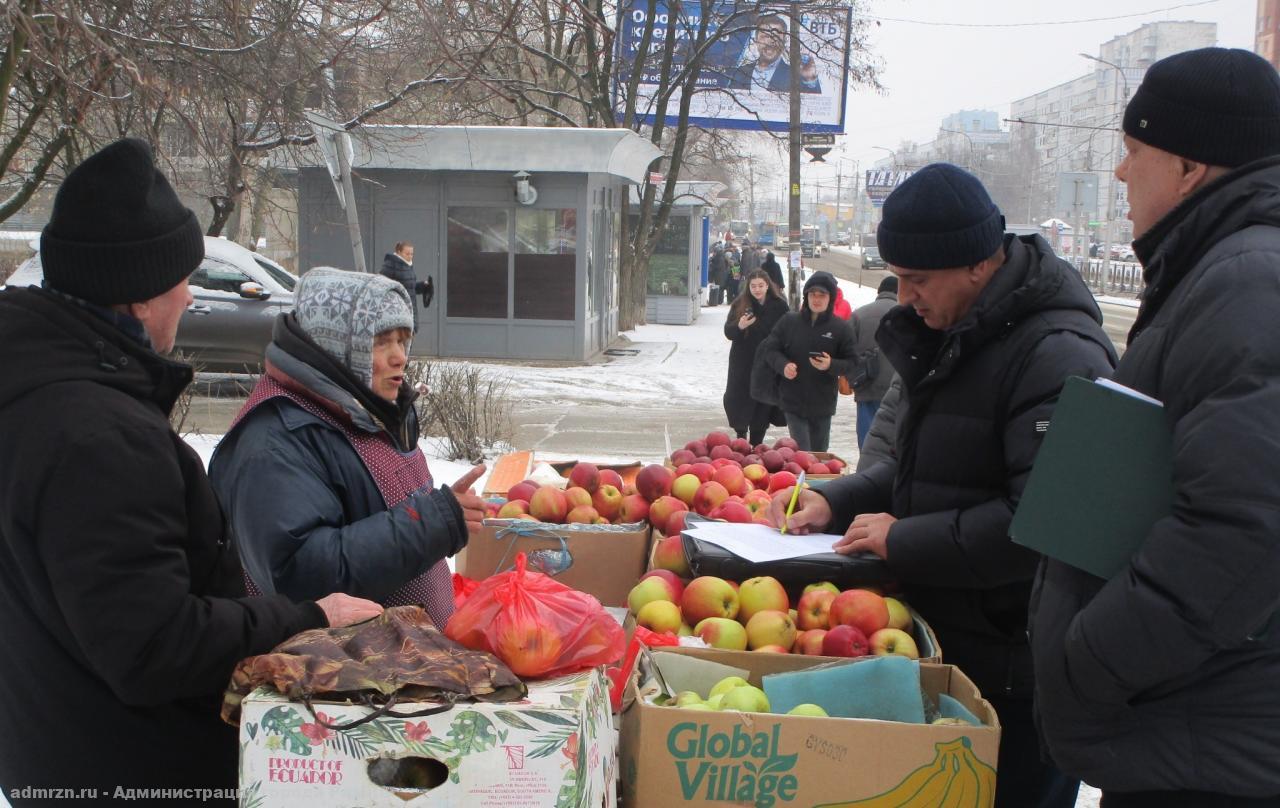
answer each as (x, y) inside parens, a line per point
(771, 36)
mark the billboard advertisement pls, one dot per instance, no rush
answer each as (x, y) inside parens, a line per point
(744, 81)
(881, 182)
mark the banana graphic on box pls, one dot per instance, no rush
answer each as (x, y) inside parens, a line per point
(955, 779)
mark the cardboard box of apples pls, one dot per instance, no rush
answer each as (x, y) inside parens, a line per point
(757, 615)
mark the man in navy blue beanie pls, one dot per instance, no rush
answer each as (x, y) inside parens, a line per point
(1158, 686)
(987, 329)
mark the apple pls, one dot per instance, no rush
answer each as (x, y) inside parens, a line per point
(770, 628)
(733, 512)
(513, 508)
(760, 448)
(686, 697)
(685, 630)
(860, 608)
(752, 460)
(788, 454)
(731, 477)
(522, 490)
(528, 647)
(670, 577)
(746, 699)
(685, 487)
(758, 503)
(549, 504)
(794, 468)
(845, 641)
(726, 684)
(708, 497)
(654, 481)
(772, 460)
(756, 474)
(661, 511)
(678, 522)
(649, 590)
(708, 596)
(818, 468)
(814, 609)
(771, 649)
(682, 457)
(811, 642)
(835, 464)
(713, 703)
(786, 443)
(661, 616)
(804, 459)
(714, 439)
(698, 447)
(577, 496)
(826, 586)
(723, 633)
(585, 476)
(703, 471)
(759, 594)
(740, 445)
(888, 641)
(668, 554)
(899, 614)
(738, 457)
(607, 500)
(721, 452)
(583, 515)
(781, 481)
(799, 642)
(611, 477)
(635, 508)
(810, 710)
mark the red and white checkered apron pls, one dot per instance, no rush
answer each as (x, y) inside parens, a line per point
(397, 476)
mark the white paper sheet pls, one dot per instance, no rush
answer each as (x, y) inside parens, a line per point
(757, 542)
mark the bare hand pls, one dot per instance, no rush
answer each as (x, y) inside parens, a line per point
(812, 511)
(791, 371)
(471, 504)
(343, 610)
(746, 321)
(869, 533)
(821, 362)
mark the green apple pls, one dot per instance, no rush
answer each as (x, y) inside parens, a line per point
(699, 706)
(746, 699)
(808, 709)
(686, 697)
(715, 701)
(826, 586)
(725, 685)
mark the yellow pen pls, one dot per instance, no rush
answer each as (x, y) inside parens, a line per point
(795, 493)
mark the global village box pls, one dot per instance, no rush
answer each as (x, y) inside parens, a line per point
(672, 755)
(555, 748)
(601, 560)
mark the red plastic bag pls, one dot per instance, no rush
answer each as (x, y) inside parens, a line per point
(537, 625)
(463, 587)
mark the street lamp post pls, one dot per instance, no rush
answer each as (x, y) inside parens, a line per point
(893, 154)
(1109, 232)
(965, 135)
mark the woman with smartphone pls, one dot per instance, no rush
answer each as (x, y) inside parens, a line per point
(752, 316)
(810, 349)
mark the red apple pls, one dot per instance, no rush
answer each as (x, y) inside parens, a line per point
(717, 439)
(733, 512)
(513, 509)
(678, 522)
(708, 596)
(668, 555)
(786, 443)
(788, 454)
(635, 508)
(661, 511)
(814, 609)
(582, 515)
(522, 490)
(760, 448)
(754, 472)
(861, 609)
(681, 456)
(703, 471)
(708, 497)
(654, 481)
(585, 475)
(845, 641)
(607, 500)
(731, 477)
(805, 459)
(577, 497)
(793, 467)
(773, 460)
(549, 504)
(670, 577)
(740, 445)
(781, 480)
(758, 503)
(752, 459)
(611, 477)
(721, 452)
(761, 594)
(811, 643)
(835, 464)
(698, 447)
(818, 468)
(770, 649)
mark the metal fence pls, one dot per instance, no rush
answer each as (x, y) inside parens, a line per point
(1125, 276)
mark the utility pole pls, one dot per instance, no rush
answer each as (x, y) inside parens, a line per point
(751, 193)
(839, 176)
(793, 207)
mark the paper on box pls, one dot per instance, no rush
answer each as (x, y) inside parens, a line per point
(556, 747)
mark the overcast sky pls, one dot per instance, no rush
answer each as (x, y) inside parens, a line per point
(942, 56)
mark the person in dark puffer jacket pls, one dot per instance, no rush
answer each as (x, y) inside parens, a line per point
(122, 605)
(751, 318)
(1159, 685)
(398, 266)
(810, 349)
(989, 328)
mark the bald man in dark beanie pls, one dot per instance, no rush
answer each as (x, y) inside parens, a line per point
(122, 601)
(1159, 685)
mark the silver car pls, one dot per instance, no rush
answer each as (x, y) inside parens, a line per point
(238, 294)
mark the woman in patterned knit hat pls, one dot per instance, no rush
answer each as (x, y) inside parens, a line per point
(321, 474)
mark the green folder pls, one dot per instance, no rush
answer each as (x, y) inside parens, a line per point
(1102, 478)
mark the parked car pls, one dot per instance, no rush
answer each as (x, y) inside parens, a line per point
(1122, 252)
(238, 294)
(871, 259)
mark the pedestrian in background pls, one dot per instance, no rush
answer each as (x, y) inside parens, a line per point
(751, 318)
(717, 275)
(989, 328)
(122, 603)
(1158, 686)
(866, 319)
(321, 473)
(809, 349)
(398, 266)
(770, 265)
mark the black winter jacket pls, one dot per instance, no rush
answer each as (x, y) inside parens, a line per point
(401, 271)
(884, 427)
(812, 393)
(771, 266)
(1165, 676)
(308, 514)
(739, 406)
(866, 319)
(122, 604)
(968, 427)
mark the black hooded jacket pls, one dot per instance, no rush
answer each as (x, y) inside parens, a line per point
(812, 393)
(122, 607)
(1165, 676)
(401, 271)
(739, 406)
(969, 423)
